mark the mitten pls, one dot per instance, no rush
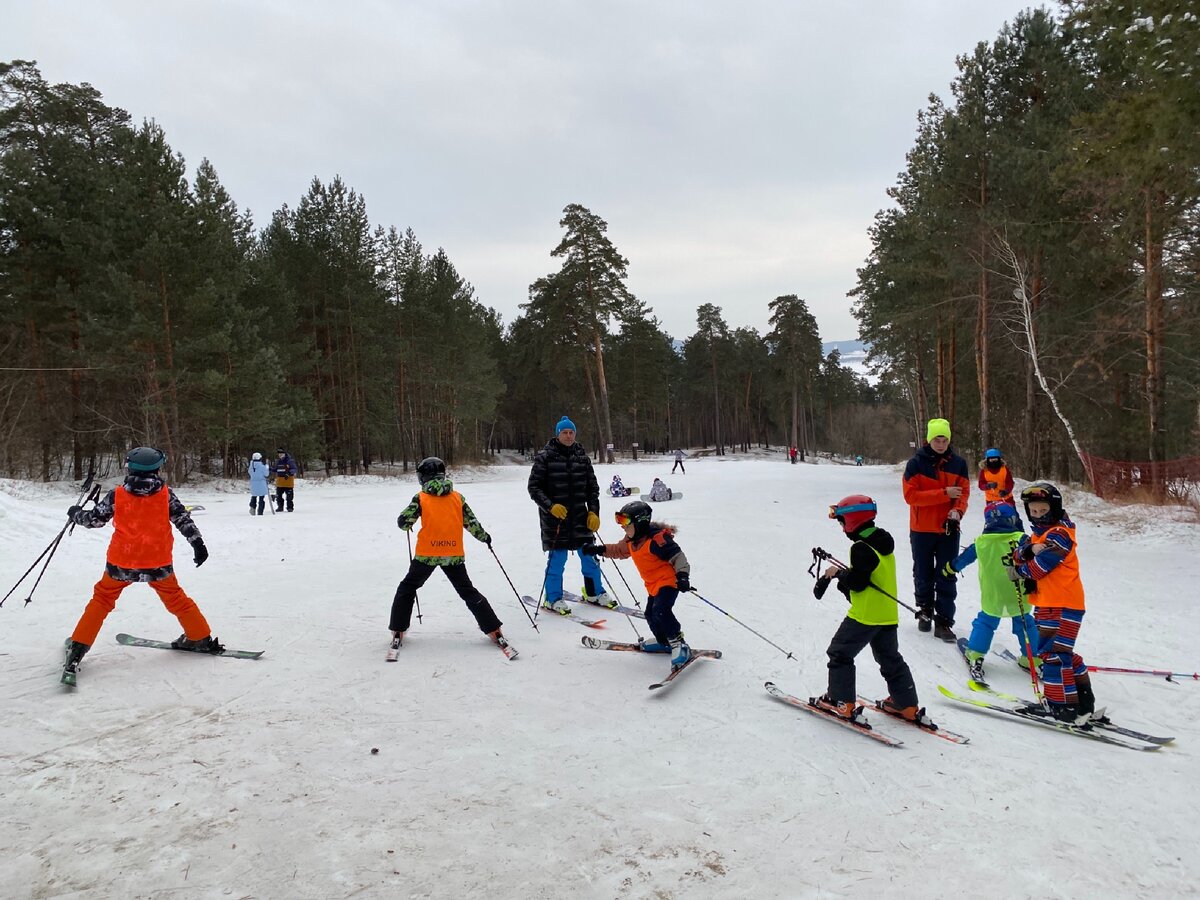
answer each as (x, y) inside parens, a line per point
(593, 522)
(200, 553)
(73, 512)
(558, 511)
(683, 582)
(948, 571)
(592, 549)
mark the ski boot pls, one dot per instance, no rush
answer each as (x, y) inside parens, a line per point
(204, 645)
(975, 663)
(680, 652)
(394, 649)
(559, 606)
(652, 645)
(601, 599)
(916, 715)
(74, 655)
(845, 709)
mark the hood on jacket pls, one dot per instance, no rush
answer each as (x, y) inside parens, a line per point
(143, 484)
(438, 487)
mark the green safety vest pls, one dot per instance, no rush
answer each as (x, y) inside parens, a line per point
(997, 593)
(871, 606)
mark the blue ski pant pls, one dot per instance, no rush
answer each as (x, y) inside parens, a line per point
(934, 592)
(983, 629)
(556, 562)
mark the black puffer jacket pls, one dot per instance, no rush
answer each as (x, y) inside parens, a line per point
(564, 475)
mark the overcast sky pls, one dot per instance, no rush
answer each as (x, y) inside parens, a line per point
(738, 151)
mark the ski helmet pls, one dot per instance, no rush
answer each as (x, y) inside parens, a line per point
(992, 453)
(430, 468)
(636, 513)
(1002, 516)
(1047, 493)
(853, 512)
(145, 459)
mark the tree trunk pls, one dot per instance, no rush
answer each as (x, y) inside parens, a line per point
(603, 383)
(1155, 379)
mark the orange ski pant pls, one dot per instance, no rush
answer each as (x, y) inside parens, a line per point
(104, 600)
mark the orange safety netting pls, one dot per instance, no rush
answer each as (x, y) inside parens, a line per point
(1173, 480)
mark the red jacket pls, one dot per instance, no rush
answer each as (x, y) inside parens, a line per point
(926, 478)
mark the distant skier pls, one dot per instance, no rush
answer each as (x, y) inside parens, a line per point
(1049, 557)
(873, 617)
(659, 492)
(680, 456)
(792, 454)
(858, 460)
(998, 597)
(142, 511)
(258, 484)
(617, 489)
(995, 480)
(285, 480)
(664, 569)
(444, 514)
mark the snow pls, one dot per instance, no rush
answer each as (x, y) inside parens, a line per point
(559, 774)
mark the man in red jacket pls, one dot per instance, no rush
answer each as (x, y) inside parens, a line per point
(936, 485)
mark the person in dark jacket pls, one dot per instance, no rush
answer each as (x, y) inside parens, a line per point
(563, 485)
(285, 480)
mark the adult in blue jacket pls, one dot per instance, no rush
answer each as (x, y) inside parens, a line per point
(258, 484)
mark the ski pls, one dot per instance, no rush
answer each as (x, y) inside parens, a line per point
(620, 610)
(587, 623)
(1087, 731)
(130, 641)
(676, 671)
(864, 729)
(944, 734)
(505, 647)
(393, 652)
(598, 644)
(971, 682)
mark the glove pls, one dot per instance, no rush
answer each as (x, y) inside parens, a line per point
(1026, 552)
(487, 539)
(821, 587)
(991, 485)
(1004, 493)
(948, 571)
(950, 526)
(593, 522)
(558, 511)
(200, 553)
(683, 581)
(73, 512)
(592, 549)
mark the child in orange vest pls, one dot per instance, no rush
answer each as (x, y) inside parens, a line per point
(995, 480)
(664, 569)
(444, 515)
(142, 511)
(1048, 557)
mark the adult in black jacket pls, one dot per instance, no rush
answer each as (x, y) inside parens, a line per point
(563, 485)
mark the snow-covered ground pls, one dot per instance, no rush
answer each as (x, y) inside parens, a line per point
(559, 774)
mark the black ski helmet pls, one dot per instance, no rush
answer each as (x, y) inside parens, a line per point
(430, 468)
(637, 512)
(145, 459)
(1048, 493)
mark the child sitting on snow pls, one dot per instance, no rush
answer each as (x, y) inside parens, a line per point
(617, 489)
(659, 491)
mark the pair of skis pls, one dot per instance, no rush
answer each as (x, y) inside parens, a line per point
(597, 644)
(393, 651)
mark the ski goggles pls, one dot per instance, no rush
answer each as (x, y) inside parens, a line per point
(1034, 492)
(623, 519)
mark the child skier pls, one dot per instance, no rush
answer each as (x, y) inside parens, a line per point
(142, 510)
(995, 480)
(664, 569)
(998, 595)
(872, 619)
(444, 514)
(617, 489)
(1048, 556)
(258, 484)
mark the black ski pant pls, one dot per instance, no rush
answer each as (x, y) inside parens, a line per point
(418, 574)
(849, 641)
(678, 465)
(936, 594)
(280, 494)
(258, 504)
(660, 615)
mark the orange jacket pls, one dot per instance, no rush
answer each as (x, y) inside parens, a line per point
(656, 573)
(926, 478)
(441, 531)
(1061, 586)
(142, 537)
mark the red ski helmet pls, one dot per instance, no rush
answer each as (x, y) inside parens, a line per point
(853, 512)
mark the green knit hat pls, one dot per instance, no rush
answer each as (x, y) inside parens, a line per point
(938, 428)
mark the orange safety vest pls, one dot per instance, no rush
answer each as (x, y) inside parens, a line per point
(441, 531)
(1062, 586)
(657, 573)
(1000, 476)
(142, 537)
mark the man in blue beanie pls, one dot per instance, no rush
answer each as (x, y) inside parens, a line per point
(563, 485)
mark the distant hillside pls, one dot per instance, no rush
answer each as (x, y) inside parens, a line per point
(853, 356)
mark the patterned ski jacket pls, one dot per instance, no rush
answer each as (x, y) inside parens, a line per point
(141, 546)
(444, 514)
(564, 475)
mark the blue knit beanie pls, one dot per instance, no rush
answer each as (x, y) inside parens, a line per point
(564, 422)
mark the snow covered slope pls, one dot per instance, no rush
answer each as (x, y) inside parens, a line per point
(560, 774)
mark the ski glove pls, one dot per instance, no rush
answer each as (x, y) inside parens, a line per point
(683, 582)
(592, 549)
(73, 512)
(200, 553)
(948, 571)
(558, 511)
(1026, 552)
(593, 522)
(821, 586)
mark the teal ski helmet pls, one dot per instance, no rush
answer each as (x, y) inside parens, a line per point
(145, 459)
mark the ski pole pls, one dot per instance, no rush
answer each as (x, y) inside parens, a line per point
(1011, 560)
(416, 599)
(53, 545)
(514, 588)
(819, 554)
(1169, 676)
(744, 625)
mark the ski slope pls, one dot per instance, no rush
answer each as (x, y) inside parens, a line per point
(559, 774)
